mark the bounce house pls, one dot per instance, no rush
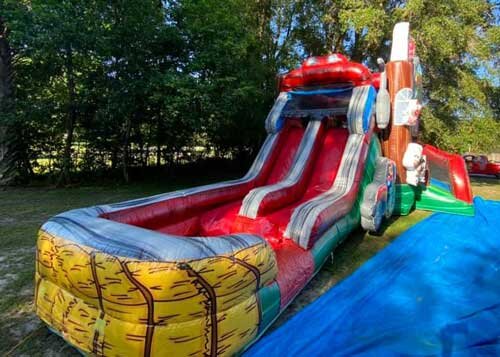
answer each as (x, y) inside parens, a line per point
(205, 271)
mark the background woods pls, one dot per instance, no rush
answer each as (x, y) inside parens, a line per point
(92, 87)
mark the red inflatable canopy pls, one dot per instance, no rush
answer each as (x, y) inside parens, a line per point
(324, 71)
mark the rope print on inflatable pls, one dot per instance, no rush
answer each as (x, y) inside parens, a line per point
(109, 305)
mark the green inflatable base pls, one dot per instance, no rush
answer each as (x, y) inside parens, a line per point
(430, 198)
(405, 200)
(433, 198)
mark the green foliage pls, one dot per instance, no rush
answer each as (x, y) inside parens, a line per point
(12, 162)
(456, 40)
(121, 84)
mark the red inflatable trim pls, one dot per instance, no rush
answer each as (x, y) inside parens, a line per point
(295, 268)
(220, 220)
(326, 70)
(272, 226)
(459, 178)
(376, 80)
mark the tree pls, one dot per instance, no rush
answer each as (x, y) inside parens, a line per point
(227, 63)
(10, 156)
(107, 86)
(138, 48)
(457, 41)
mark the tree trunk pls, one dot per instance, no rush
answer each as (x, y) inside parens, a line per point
(126, 143)
(65, 176)
(158, 139)
(114, 158)
(9, 153)
(6, 70)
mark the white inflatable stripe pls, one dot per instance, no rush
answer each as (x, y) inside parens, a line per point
(304, 216)
(275, 113)
(253, 200)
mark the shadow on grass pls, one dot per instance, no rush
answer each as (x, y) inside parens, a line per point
(485, 181)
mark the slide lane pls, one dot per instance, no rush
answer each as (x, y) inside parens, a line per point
(178, 213)
(322, 207)
(326, 163)
(312, 218)
(290, 162)
(267, 198)
(295, 264)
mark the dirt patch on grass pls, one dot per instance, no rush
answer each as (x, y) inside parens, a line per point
(22, 321)
(7, 220)
(13, 265)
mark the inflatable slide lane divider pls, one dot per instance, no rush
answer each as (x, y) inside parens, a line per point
(325, 244)
(260, 200)
(336, 234)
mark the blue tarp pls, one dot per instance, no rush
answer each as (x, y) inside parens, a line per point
(434, 291)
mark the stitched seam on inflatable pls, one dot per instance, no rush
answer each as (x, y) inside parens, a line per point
(210, 305)
(150, 303)
(99, 299)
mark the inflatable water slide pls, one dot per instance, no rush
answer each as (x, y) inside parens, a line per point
(204, 271)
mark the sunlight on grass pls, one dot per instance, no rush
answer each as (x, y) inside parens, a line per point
(486, 187)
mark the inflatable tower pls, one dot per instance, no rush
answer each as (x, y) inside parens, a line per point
(427, 178)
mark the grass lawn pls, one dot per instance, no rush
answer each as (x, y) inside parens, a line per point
(22, 211)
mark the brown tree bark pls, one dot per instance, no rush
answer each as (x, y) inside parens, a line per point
(125, 149)
(6, 70)
(158, 137)
(9, 169)
(65, 176)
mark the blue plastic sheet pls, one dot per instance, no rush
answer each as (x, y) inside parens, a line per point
(434, 291)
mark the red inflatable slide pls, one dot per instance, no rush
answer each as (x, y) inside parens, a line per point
(296, 165)
(204, 271)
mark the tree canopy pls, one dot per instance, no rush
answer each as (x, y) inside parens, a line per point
(97, 85)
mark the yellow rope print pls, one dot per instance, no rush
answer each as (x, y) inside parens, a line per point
(115, 306)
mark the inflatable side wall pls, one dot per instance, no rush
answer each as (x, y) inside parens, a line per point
(105, 304)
